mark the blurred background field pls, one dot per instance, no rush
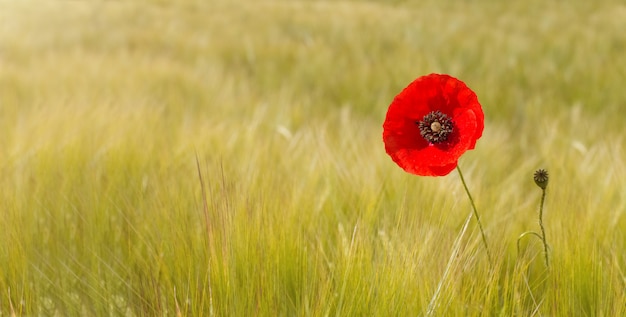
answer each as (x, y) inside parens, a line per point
(107, 106)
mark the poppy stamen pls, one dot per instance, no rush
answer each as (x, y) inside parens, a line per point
(435, 127)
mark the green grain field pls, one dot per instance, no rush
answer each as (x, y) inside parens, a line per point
(225, 158)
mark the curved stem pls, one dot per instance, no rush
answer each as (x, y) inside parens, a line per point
(480, 225)
(543, 230)
(524, 234)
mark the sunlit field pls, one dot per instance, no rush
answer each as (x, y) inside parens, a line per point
(225, 158)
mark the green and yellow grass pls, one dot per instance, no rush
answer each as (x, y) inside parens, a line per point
(107, 107)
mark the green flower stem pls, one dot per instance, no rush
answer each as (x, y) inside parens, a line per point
(480, 225)
(541, 236)
(543, 230)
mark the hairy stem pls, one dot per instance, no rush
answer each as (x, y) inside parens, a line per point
(543, 230)
(480, 225)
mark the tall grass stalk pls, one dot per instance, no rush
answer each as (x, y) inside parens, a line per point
(434, 301)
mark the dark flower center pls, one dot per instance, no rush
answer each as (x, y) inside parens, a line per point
(435, 127)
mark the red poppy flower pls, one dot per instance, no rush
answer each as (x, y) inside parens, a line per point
(431, 123)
